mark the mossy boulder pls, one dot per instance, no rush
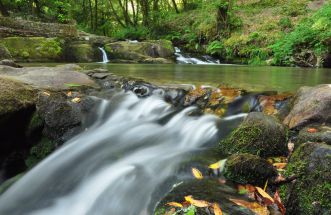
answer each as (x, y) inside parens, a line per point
(4, 53)
(141, 51)
(258, 134)
(33, 49)
(314, 133)
(310, 193)
(14, 96)
(248, 169)
(310, 105)
(82, 52)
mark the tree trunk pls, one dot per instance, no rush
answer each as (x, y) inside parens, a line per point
(175, 6)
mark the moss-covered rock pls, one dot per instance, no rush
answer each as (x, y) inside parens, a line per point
(4, 53)
(39, 152)
(141, 51)
(36, 49)
(248, 169)
(258, 134)
(14, 96)
(82, 52)
(310, 193)
(314, 133)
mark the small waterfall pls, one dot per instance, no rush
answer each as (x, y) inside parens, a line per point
(117, 164)
(181, 59)
(104, 55)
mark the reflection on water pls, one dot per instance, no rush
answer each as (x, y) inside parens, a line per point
(246, 77)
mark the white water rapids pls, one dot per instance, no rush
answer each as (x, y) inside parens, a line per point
(116, 165)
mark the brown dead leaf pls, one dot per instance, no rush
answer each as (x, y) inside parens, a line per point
(69, 94)
(279, 165)
(76, 100)
(46, 93)
(253, 206)
(312, 130)
(279, 203)
(197, 174)
(197, 203)
(217, 209)
(175, 204)
(266, 198)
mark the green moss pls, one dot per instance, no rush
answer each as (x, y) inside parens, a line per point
(14, 96)
(39, 152)
(33, 48)
(35, 123)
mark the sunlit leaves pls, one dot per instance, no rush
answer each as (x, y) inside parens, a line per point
(197, 174)
(253, 206)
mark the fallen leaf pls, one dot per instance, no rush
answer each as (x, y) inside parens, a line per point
(69, 94)
(217, 209)
(279, 203)
(312, 130)
(290, 147)
(197, 203)
(243, 189)
(197, 174)
(265, 196)
(175, 204)
(253, 206)
(46, 93)
(215, 165)
(279, 165)
(76, 100)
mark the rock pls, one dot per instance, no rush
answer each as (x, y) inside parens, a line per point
(258, 134)
(310, 193)
(33, 49)
(53, 78)
(274, 104)
(321, 134)
(4, 53)
(152, 51)
(208, 190)
(305, 58)
(82, 52)
(59, 113)
(310, 104)
(11, 63)
(248, 169)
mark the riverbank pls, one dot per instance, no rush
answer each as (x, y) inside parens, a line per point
(53, 105)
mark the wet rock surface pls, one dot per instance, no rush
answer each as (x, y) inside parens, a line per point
(310, 193)
(259, 134)
(248, 169)
(310, 105)
(315, 133)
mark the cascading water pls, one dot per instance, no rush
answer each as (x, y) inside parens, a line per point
(104, 55)
(116, 165)
(181, 59)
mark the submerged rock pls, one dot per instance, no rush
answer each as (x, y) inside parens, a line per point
(310, 193)
(248, 169)
(259, 134)
(310, 105)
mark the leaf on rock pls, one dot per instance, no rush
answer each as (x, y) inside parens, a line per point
(197, 174)
(76, 100)
(46, 93)
(253, 206)
(175, 204)
(265, 196)
(217, 209)
(279, 165)
(279, 203)
(197, 203)
(312, 130)
(69, 94)
(215, 165)
(243, 189)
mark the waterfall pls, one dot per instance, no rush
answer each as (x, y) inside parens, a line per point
(116, 165)
(182, 59)
(104, 55)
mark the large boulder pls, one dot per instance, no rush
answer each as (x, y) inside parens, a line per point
(310, 104)
(310, 193)
(82, 52)
(33, 49)
(259, 134)
(248, 169)
(152, 51)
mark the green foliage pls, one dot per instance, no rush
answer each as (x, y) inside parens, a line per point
(312, 33)
(215, 47)
(285, 23)
(50, 47)
(133, 33)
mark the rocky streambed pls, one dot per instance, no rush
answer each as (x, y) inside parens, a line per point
(42, 107)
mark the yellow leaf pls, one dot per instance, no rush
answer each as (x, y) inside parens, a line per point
(69, 93)
(253, 206)
(197, 174)
(266, 197)
(46, 93)
(216, 165)
(197, 203)
(175, 204)
(217, 209)
(279, 165)
(76, 100)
